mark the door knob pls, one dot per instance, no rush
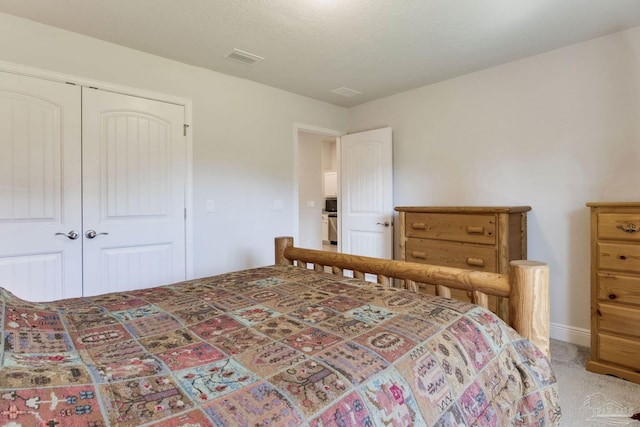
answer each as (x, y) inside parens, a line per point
(91, 234)
(386, 223)
(73, 234)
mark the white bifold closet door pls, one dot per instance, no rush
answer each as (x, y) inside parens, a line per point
(40, 188)
(89, 205)
(133, 192)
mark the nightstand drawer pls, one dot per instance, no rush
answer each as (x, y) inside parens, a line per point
(619, 256)
(619, 288)
(451, 254)
(459, 228)
(619, 350)
(619, 319)
(619, 226)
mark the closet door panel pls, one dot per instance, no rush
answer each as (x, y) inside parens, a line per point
(40, 199)
(134, 160)
(138, 166)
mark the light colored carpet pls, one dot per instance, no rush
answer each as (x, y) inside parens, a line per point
(589, 399)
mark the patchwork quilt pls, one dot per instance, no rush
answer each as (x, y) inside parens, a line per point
(277, 346)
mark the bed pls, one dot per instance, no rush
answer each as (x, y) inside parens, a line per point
(297, 343)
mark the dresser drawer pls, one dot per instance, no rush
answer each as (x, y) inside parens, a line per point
(619, 350)
(615, 289)
(459, 228)
(619, 256)
(619, 319)
(619, 226)
(619, 288)
(451, 254)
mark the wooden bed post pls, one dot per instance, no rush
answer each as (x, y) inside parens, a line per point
(283, 243)
(529, 301)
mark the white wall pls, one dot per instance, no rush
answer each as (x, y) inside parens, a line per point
(329, 155)
(553, 131)
(310, 149)
(242, 136)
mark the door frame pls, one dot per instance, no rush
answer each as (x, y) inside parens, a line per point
(14, 68)
(300, 127)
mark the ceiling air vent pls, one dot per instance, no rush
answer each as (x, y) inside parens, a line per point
(244, 57)
(346, 92)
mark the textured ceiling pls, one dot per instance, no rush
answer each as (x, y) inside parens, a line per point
(377, 47)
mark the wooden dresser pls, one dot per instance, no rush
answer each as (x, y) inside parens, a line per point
(615, 290)
(475, 238)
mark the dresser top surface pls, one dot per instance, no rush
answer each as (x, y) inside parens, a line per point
(463, 209)
(614, 204)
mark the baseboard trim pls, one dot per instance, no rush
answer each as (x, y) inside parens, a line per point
(570, 334)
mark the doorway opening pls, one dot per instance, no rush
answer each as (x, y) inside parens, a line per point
(318, 193)
(364, 190)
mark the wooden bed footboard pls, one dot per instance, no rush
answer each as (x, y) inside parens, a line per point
(526, 285)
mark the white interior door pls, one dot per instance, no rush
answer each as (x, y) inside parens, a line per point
(366, 193)
(40, 184)
(134, 175)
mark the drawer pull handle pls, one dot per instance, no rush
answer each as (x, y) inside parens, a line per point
(622, 257)
(475, 230)
(629, 228)
(476, 262)
(612, 296)
(418, 226)
(417, 254)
